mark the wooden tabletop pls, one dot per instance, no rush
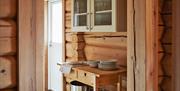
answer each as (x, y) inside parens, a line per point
(99, 72)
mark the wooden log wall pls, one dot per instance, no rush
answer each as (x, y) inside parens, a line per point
(165, 46)
(81, 46)
(8, 41)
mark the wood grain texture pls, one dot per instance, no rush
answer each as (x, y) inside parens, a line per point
(130, 46)
(27, 63)
(165, 46)
(68, 24)
(31, 39)
(103, 53)
(7, 28)
(109, 42)
(7, 8)
(176, 42)
(105, 34)
(74, 37)
(75, 49)
(40, 45)
(7, 46)
(136, 72)
(75, 46)
(7, 72)
(140, 48)
(152, 40)
(68, 5)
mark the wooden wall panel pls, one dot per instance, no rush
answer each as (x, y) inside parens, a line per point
(31, 45)
(8, 42)
(7, 46)
(114, 42)
(151, 42)
(7, 8)
(7, 28)
(68, 24)
(75, 46)
(27, 69)
(7, 72)
(109, 42)
(72, 37)
(74, 50)
(136, 46)
(103, 53)
(68, 5)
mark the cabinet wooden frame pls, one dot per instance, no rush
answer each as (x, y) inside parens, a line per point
(80, 28)
(119, 18)
(104, 28)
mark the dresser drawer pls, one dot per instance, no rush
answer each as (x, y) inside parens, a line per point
(86, 77)
(72, 75)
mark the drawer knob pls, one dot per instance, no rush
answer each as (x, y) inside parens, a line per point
(85, 74)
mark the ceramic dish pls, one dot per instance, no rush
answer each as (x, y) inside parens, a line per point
(93, 63)
(107, 67)
(110, 62)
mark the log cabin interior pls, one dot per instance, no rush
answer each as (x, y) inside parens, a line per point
(138, 39)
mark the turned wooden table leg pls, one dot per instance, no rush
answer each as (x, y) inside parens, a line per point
(96, 84)
(119, 84)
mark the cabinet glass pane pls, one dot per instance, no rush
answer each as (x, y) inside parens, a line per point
(103, 18)
(80, 6)
(80, 20)
(102, 5)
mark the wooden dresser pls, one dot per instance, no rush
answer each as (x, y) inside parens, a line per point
(95, 77)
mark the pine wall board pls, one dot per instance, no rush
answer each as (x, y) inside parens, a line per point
(8, 8)
(31, 45)
(8, 45)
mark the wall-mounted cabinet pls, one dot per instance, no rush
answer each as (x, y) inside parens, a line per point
(99, 15)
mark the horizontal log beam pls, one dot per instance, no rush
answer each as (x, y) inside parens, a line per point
(7, 46)
(7, 8)
(7, 72)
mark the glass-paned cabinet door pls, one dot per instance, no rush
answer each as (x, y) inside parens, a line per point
(103, 16)
(80, 15)
(103, 12)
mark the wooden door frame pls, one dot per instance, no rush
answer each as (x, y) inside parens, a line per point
(31, 45)
(142, 64)
(176, 44)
